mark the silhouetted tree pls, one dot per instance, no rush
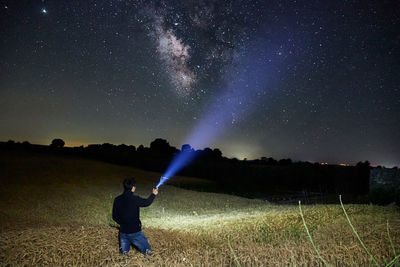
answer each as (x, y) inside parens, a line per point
(122, 147)
(207, 151)
(187, 148)
(217, 153)
(161, 146)
(365, 164)
(140, 149)
(363, 175)
(107, 146)
(272, 161)
(285, 162)
(10, 144)
(57, 143)
(26, 144)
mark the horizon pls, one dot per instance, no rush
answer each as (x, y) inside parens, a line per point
(321, 162)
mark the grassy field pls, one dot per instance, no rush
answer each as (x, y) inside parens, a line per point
(56, 210)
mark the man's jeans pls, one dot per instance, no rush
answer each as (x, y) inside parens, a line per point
(137, 239)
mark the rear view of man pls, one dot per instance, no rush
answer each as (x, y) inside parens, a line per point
(126, 212)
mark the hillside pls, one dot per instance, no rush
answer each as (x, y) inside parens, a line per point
(56, 210)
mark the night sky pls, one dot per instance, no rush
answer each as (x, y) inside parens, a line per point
(307, 80)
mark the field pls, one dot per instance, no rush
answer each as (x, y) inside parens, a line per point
(56, 210)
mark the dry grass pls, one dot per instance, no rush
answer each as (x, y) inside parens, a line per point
(56, 211)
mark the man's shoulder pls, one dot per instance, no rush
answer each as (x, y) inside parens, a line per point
(119, 197)
(134, 196)
(125, 196)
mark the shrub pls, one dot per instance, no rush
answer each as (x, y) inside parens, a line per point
(384, 196)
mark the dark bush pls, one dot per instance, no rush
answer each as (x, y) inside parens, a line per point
(383, 196)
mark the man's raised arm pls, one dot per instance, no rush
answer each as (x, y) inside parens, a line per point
(145, 202)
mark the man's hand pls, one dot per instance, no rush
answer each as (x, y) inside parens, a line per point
(155, 191)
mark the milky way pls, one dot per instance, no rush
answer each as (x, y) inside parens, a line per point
(200, 28)
(176, 56)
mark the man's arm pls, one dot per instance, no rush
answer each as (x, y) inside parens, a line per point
(115, 213)
(145, 202)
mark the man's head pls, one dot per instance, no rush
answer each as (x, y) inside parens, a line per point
(130, 184)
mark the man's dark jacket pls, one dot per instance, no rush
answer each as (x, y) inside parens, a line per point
(126, 211)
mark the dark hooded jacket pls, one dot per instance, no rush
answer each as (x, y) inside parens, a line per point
(126, 211)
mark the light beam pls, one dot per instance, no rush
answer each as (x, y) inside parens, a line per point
(253, 73)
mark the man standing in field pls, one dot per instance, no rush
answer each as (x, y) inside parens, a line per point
(126, 212)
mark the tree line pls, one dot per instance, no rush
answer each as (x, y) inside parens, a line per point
(265, 174)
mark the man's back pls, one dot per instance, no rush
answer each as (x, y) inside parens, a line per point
(126, 211)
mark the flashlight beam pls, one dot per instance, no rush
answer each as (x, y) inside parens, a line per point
(179, 161)
(163, 179)
(255, 71)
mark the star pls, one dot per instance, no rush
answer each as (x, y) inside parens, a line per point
(44, 11)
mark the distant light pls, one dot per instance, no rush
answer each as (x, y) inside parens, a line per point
(44, 10)
(344, 164)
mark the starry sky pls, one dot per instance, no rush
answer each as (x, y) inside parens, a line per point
(307, 80)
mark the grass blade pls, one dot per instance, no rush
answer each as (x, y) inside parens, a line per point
(390, 239)
(356, 234)
(309, 236)
(393, 261)
(234, 254)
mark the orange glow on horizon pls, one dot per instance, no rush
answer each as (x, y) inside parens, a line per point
(76, 144)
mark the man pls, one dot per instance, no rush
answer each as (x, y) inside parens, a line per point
(126, 213)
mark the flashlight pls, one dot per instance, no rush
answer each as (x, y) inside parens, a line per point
(163, 179)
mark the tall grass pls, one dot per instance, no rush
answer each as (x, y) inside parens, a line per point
(233, 253)
(391, 263)
(390, 238)
(309, 236)
(356, 233)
